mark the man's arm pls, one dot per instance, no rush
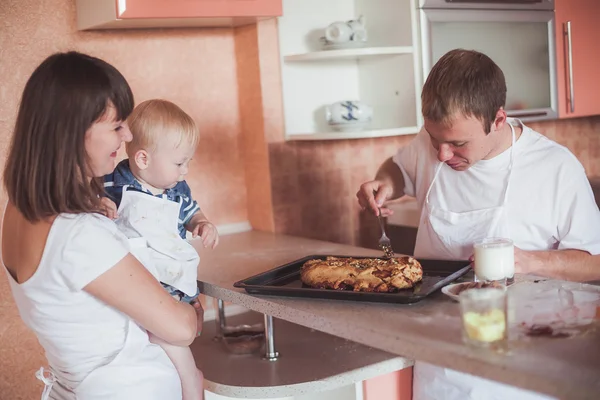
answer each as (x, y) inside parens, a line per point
(388, 185)
(570, 265)
(577, 257)
(390, 173)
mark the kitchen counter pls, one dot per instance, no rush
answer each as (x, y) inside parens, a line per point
(428, 331)
(311, 361)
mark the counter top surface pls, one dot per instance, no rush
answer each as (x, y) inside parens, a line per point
(431, 329)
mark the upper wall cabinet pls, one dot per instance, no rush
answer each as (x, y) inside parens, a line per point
(518, 35)
(578, 45)
(117, 14)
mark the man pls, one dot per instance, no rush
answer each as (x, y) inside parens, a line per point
(476, 174)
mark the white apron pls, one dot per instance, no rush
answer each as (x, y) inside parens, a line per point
(444, 234)
(141, 370)
(137, 382)
(448, 235)
(169, 257)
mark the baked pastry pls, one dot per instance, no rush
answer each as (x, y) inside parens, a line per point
(362, 274)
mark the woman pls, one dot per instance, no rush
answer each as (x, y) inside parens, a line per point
(88, 300)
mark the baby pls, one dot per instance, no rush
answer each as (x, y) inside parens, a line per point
(153, 206)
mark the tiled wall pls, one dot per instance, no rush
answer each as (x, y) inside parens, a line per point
(581, 136)
(314, 183)
(314, 186)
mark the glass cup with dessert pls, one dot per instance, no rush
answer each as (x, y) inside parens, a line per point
(484, 317)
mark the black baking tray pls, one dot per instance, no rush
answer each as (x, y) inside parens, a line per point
(285, 281)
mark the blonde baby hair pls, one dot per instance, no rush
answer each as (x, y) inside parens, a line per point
(153, 122)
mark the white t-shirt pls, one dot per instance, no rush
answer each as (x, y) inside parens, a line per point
(550, 203)
(79, 333)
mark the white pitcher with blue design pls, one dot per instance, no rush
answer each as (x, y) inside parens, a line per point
(348, 112)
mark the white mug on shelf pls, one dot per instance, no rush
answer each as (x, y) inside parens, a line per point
(341, 32)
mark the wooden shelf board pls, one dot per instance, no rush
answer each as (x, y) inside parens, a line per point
(350, 53)
(334, 135)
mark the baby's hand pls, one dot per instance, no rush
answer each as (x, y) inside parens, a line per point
(208, 233)
(109, 208)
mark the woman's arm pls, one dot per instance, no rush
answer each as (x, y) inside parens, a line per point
(131, 289)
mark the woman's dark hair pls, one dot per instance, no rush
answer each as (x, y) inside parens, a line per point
(47, 166)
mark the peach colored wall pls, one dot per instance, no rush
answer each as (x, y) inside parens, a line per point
(194, 68)
(261, 112)
(580, 135)
(254, 146)
(314, 186)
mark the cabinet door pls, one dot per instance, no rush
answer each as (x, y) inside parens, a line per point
(197, 8)
(520, 42)
(581, 96)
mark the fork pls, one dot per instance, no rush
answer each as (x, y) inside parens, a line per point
(384, 242)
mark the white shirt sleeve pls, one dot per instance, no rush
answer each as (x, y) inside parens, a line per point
(579, 226)
(93, 246)
(407, 158)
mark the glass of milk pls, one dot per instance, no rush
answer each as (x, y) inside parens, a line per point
(495, 260)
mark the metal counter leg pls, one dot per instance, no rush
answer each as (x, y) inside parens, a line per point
(270, 353)
(219, 318)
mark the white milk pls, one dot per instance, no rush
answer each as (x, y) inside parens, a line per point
(494, 259)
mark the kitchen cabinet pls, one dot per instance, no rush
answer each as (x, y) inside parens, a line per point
(520, 41)
(115, 14)
(383, 72)
(578, 44)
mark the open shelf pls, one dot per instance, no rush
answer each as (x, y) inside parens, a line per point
(354, 53)
(384, 73)
(334, 135)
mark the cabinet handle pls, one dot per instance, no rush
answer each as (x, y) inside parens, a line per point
(527, 114)
(570, 65)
